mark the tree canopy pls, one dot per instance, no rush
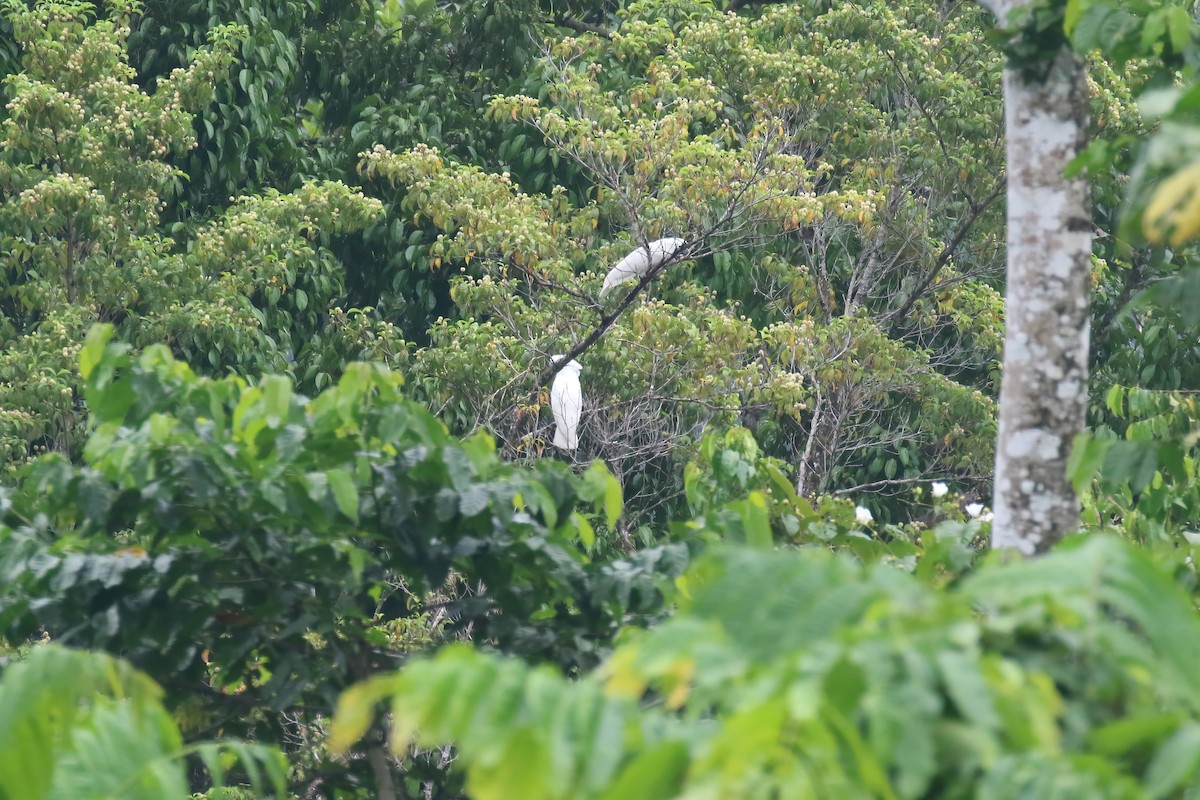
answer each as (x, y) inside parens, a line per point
(281, 507)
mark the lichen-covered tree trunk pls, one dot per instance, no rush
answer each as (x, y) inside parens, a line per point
(1044, 387)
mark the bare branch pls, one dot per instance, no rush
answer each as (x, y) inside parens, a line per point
(947, 253)
(862, 487)
(580, 26)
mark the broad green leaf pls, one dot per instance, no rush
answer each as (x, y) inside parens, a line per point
(356, 711)
(613, 500)
(599, 485)
(1118, 738)
(656, 774)
(1087, 454)
(345, 493)
(1181, 26)
(1074, 11)
(277, 397)
(967, 687)
(522, 770)
(1174, 763)
(98, 337)
(756, 522)
(587, 535)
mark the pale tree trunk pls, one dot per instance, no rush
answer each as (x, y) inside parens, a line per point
(1043, 391)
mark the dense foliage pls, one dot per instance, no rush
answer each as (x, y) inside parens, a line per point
(80, 724)
(275, 548)
(280, 284)
(84, 167)
(807, 675)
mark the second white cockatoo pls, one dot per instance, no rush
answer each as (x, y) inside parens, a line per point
(639, 262)
(566, 401)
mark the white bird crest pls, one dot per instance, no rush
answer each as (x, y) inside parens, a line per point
(566, 401)
(635, 265)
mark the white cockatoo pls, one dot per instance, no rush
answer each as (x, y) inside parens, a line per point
(639, 262)
(566, 401)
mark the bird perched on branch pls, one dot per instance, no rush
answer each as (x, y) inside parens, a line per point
(566, 401)
(639, 262)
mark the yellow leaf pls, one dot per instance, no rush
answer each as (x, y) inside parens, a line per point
(623, 679)
(355, 712)
(682, 672)
(1173, 213)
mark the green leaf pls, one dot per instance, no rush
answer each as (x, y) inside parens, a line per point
(316, 484)
(1179, 292)
(356, 711)
(756, 522)
(1172, 460)
(1174, 763)
(124, 751)
(92, 353)
(1130, 462)
(691, 479)
(599, 485)
(1120, 737)
(345, 493)
(83, 725)
(587, 535)
(1074, 11)
(613, 500)
(1115, 401)
(656, 774)
(869, 769)
(1087, 454)
(277, 396)
(1153, 28)
(473, 500)
(966, 686)
(523, 769)
(1181, 26)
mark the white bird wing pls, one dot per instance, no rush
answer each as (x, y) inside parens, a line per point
(629, 268)
(566, 401)
(639, 262)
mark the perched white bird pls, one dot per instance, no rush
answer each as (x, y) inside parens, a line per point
(566, 401)
(639, 262)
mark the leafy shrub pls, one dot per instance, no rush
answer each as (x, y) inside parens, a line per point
(805, 674)
(80, 726)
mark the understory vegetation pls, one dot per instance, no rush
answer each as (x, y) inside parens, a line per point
(281, 508)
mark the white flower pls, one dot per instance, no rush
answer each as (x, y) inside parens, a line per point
(939, 489)
(974, 510)
(862, 515)
(986, 517)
